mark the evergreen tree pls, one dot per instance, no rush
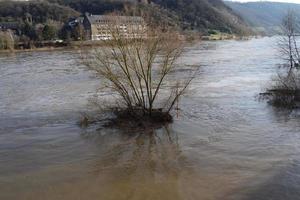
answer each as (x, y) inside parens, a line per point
(49, 32)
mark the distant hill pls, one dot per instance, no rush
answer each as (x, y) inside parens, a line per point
(263, 16)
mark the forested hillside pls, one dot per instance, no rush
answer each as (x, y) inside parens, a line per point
(200, 15)
(264, 16)
(40, 12)
(39, 20)
(205, 14)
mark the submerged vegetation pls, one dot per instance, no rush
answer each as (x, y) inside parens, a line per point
(286, 89)
(137, 73)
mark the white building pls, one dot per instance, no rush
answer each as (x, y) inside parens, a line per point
(103, 27)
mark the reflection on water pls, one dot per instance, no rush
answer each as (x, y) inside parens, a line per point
(224, 145)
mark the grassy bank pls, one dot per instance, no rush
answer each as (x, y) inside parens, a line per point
(69, 45)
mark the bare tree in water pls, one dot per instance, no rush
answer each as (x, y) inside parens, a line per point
(287, 43)
(138, 67)
(286, 90)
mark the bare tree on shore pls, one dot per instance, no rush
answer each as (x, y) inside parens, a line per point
(6, 40)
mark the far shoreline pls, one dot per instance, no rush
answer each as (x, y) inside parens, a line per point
(70, 46)
(74, 45)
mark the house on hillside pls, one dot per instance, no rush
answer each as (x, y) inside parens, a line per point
(75, 21)
(13, 26)
(102, 27)
(9, 26)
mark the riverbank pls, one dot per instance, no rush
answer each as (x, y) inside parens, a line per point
(225, 36)
(71, 45)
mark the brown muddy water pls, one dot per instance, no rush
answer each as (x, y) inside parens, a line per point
(225, 144)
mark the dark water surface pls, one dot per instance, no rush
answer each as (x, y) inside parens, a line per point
(225, 144)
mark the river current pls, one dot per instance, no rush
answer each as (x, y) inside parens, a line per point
(225, 143)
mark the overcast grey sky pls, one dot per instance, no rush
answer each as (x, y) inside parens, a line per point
(287, 1)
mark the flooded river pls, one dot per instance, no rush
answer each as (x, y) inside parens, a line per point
(225, 144)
